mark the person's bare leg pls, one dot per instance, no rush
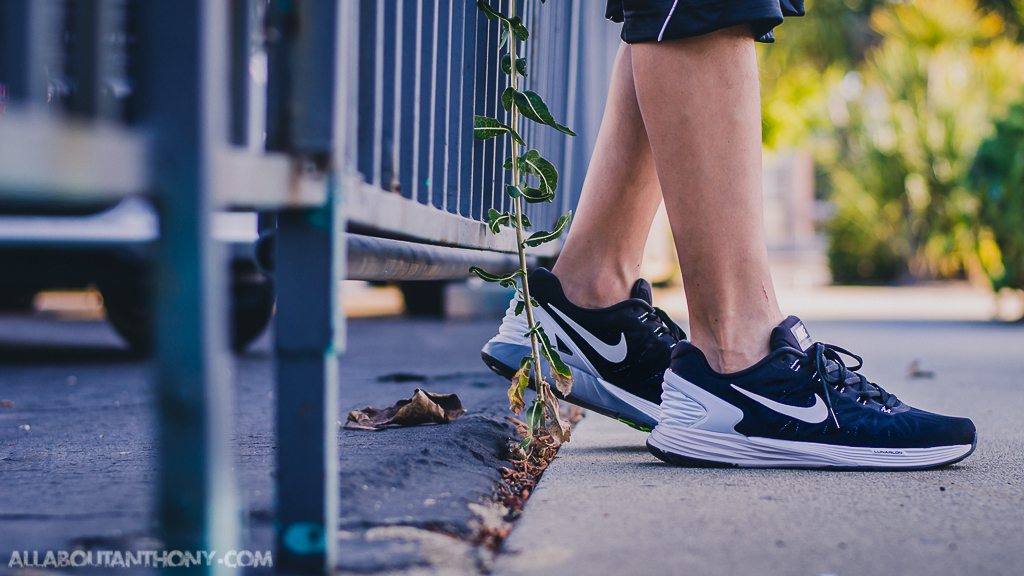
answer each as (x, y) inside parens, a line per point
(700, 101)
(605, 246)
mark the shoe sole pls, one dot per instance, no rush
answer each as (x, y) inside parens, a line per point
(588, 391)
(694, 447)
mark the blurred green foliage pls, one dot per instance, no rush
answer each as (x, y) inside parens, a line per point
(998, 176)
(894, 99)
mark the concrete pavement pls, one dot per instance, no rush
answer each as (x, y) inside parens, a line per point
(606, 506)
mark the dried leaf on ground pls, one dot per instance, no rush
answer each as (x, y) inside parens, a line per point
(423, 408)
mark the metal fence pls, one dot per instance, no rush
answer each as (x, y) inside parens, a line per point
(425, 68)
(327, 115)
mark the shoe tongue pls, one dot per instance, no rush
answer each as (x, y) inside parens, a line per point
(642, 290)
(791, 333)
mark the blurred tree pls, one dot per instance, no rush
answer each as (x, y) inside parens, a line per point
(830, 39)
(1012, 12)
(998, 176)
(906, 131)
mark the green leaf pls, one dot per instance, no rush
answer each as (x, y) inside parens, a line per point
(533, 163)
(485, 128)
(518, 29)
(507, 98)
(495, 219)
(513, 191)
(508, 163)
(535, 416)
(488, 277)
(563, 129)
(559, 369)
(535, 195)
(491, 13)
(526, 221)
(504, 36)
(506, 65)
(532, 106)
(538, 238)
(520, 306)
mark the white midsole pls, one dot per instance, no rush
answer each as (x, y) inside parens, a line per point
(754, 452)
(720, 444)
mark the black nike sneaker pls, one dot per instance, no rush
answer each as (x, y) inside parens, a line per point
(617, 355)
(800, 407)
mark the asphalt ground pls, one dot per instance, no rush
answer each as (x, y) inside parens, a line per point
(606, 506)
(77, 450)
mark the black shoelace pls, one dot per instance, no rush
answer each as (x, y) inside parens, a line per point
(663, 325)
(843, 377)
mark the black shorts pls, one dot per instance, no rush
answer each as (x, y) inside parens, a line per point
(657, 20)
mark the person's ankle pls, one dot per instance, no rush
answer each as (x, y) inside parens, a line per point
(601, 291)
(729, 361)
(729, 351)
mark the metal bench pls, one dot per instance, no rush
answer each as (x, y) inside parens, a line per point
(346, 125)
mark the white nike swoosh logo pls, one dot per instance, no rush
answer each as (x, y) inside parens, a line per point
(810, 414)
(613, 354)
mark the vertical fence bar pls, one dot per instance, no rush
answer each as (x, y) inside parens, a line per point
(457, 115)
(442, 109)
(427, 93)
(368, 104)
(382, 107)
(279, 54)
(467, 13)
(390, 94)
(497, 151)
(83, 57)
(15, 47)
(307, 482)
(487, 89)
(569, 180)
(240, 14)
(313, 93)
(28, 44)
(303, 274)
(478, 186)
(410, 59)
(182, 56)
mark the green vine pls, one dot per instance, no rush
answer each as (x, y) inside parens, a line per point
(543, 411)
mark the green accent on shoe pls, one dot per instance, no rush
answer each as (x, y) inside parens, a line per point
(635, 425)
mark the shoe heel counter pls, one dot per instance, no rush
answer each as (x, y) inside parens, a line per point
(677, 407)
(512, 327)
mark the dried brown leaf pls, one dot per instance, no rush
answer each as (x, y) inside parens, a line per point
(423, 408)
(518, 386)
(558, 428)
